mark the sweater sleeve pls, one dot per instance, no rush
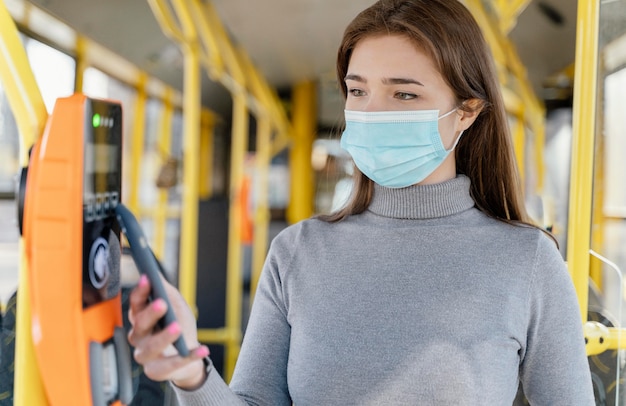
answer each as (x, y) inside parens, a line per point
(554, 370)
(214, 391)
(260, 376)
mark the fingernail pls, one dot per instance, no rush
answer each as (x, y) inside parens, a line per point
(173, 328)
(202, 352)
(158, 305)
(143, 280)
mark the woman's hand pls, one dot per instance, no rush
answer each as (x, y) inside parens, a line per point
(154, 348)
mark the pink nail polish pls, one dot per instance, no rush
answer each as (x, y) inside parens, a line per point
(143, 280)
(158, 305)
(202, 352)
(173, 328)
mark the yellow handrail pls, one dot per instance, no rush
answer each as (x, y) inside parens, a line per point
(137, 149)
(581, 174)
(600, 338)
(20, 86)
(30, 114)
(509, 10)
(301, 172)
(163, 146)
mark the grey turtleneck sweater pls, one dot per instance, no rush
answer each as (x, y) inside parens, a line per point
(420, 300)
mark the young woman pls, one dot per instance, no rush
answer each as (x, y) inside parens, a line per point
(430, 286)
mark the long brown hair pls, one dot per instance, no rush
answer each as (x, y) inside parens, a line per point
(448, 33)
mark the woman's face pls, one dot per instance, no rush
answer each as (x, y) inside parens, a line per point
(389, 73)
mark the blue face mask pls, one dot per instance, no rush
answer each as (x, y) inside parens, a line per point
(395, 148)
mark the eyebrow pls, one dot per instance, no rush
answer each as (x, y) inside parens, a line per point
(386, 81)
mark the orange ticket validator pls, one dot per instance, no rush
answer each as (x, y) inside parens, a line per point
(72, 244)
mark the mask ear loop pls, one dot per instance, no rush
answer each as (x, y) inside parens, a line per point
(461, 133)
(456, 142)
(448, 113)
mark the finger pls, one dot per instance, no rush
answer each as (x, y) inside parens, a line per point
(161, 343)
(146, 320)
(138, 299)
(155, 346)
(139, 295)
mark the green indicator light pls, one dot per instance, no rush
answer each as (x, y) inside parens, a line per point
(96, 120)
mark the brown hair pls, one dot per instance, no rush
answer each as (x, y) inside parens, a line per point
(448, 33)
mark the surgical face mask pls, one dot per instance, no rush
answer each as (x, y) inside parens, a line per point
(395, 148)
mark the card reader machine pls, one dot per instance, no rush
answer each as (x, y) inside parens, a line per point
(72, 244)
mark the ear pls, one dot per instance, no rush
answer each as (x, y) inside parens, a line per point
(469, 111)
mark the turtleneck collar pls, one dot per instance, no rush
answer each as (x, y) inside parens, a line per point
(423, 201)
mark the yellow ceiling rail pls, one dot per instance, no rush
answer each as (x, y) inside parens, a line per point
(181, 8)
(270, 102)
(210, 47)
(232, 67)
(20, 86)
(166, 20)
(225, 45)
(491, 34)
(508, 11)
(88, 53)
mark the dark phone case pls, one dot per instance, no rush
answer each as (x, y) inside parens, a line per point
(147, 264)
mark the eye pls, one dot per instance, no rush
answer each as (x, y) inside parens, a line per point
(405, 96)
(356, 92)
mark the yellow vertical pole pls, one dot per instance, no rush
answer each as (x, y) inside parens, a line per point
(301, 193)
(191, 115)
(239, 146)
(264, 116)
(28, 387)
(597, 217)
(262, 211)
(164, 146)
(581, 174)
(137, 147)
(81, 64)
(519, 143)
(30, 113)
(191, 132)
(540, 146)
(234, 281)
(191, 142)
